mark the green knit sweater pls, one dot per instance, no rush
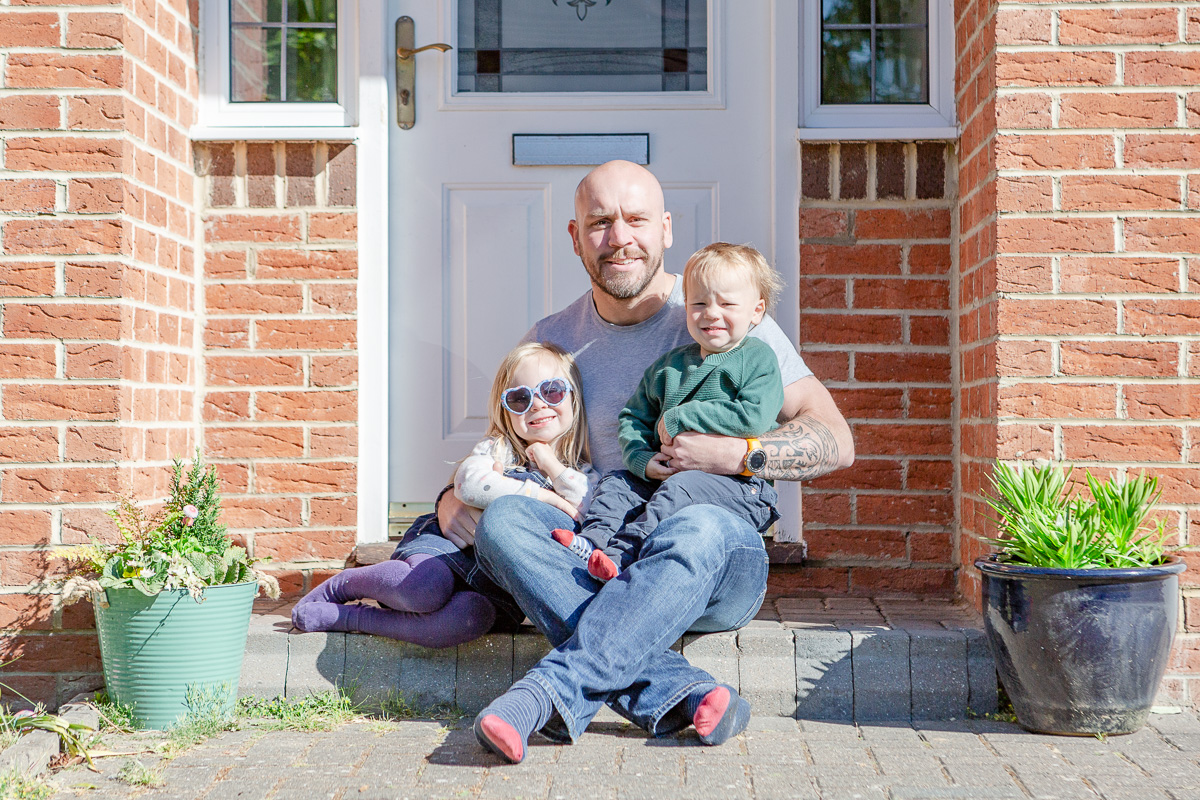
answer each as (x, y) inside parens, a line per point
(736, 393)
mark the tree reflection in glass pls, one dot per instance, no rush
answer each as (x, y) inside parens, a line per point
(874, 51)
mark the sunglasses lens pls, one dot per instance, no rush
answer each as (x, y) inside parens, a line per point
(518, 399)
(553, 391)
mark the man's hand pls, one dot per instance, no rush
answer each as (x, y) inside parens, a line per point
(707, 452)
(457, 520)
(659, 469)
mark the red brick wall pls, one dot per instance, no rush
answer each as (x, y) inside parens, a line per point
(1094, 297)
(875, 266)
(98, 340)
(280, 399)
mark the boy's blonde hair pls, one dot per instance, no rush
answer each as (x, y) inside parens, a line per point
(721, 258)
(571, 448)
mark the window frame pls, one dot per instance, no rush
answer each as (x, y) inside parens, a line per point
(218, 111)
(933, 120)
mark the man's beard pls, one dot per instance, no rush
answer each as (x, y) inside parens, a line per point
(627, 285)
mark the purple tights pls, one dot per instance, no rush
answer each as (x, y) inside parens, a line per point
(420, 604)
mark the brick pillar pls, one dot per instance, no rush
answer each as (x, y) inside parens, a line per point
(1093, 292)
(280, 405)
(977, 371)
(98, 356)
(875, 265)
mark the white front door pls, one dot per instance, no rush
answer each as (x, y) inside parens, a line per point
(478, 245)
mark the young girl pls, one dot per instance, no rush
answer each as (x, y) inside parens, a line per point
(432, 593)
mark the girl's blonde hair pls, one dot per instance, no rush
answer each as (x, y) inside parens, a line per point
(721, 258)
(571, 448)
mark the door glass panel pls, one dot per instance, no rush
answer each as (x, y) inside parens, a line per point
(582, 45)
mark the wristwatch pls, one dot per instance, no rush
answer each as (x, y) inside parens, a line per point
(756, 458)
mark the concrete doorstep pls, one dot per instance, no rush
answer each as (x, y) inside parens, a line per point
(849, 659)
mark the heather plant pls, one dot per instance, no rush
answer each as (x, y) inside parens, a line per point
(1044, 524)
(183, 545)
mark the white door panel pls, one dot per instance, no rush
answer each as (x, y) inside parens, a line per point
(479, 248)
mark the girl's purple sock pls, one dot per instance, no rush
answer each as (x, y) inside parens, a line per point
(466, 616)
(420, 583)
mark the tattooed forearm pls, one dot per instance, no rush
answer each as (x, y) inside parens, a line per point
(801, 450)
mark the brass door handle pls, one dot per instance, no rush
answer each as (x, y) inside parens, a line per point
(406, 72)
(404, 52)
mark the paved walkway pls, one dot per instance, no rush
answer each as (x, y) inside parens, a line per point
(774, 758)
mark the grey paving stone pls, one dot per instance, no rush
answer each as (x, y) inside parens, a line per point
(979, 771)
(824, 678)
(316, 663)
(282, 748)
(506, 786)
(938, 667)
(767, 668)
(888, 733)
(771, 781)
(529, 647)
(955, 793)
(380, 669)
(882, 685)
(264, 666)
(485, 671)
(982, 685)
(716, 654)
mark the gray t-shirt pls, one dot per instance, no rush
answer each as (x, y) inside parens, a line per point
(612, 358)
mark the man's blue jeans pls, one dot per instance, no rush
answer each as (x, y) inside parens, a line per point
(702, 570)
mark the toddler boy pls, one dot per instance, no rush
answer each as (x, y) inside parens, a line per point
(725, 382)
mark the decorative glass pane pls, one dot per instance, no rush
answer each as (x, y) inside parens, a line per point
(312, 10)
(257, 11)
(312, 66)
(582, 46)
(846, 66)
(874, 51)
(256, 72)
(846, 12)
(283, 51)
(900, 12)
(900, 67)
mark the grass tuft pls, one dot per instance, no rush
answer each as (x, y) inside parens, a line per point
(16, 786)
(314, 712)
(135, 773)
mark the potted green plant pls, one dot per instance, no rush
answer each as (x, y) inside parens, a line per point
(172, 596)
(1081, 601)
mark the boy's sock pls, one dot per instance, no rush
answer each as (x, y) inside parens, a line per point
(419, 583)
(504, 726)
(718, 713)
(576, 544)
(467, 616)
(601, 567)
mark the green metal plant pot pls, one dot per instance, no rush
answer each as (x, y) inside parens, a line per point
(167, 655)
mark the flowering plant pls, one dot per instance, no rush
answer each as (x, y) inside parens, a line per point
(181, 546)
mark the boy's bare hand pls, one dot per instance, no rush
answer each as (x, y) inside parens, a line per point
(661, 430)
(659, 468)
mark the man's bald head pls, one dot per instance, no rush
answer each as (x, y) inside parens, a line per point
(617, 175)
(620, 228)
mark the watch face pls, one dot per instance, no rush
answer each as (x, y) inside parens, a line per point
(756, 460)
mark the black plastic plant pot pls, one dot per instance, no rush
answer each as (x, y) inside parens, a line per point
(1080, 651)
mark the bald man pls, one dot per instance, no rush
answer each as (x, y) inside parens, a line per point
(703, 569)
